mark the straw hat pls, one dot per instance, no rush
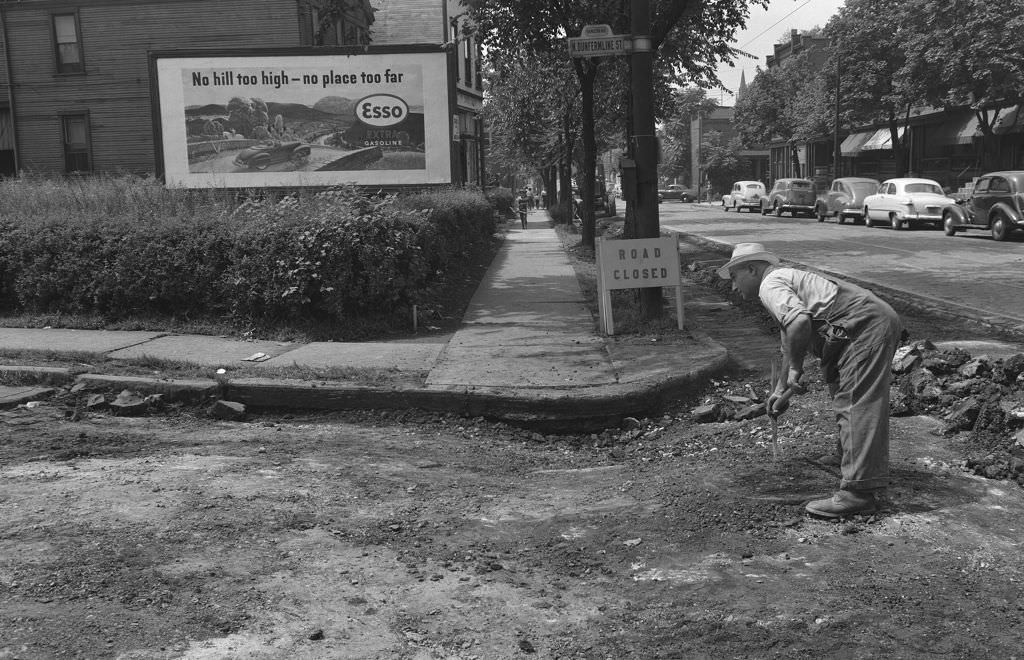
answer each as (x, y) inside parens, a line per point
(746, 252)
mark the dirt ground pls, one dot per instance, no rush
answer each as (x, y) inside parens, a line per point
(421, 536)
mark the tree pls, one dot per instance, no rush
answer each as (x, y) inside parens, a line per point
(721, 162)
(970, 54)
(245, 115)
(869, 35)
(687, 103)
(689, 38)
(531, 105)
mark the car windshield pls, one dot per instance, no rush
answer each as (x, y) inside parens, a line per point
(923, 188)
(753, 186)
(800, 185)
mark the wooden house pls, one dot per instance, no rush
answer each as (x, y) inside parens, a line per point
(75, 92)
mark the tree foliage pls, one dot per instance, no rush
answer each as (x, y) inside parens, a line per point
(689, 37)
(721, 161)
(530, 100)
(687, 103)
(967, 53)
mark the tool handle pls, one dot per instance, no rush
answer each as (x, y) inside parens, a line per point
(786, 396)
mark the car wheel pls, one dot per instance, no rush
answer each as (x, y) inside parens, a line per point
(777, 210)
(840, 218)
(1000, 228)
(867, 218)
(895, 222)
(948, 224)
(821, 214)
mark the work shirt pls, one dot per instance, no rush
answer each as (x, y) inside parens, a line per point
(787, 293)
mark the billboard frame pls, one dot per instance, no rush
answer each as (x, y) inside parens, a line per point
(441, 166)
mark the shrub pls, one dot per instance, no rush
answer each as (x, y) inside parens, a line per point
(501, 199)
(122, 247)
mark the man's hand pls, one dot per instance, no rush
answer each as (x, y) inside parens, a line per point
(793, 380)
(778, 400)
(777, 403)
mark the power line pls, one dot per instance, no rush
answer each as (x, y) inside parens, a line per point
(806, 2)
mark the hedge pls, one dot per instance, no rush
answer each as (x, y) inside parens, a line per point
(127, 247)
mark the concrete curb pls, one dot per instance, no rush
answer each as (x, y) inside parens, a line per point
(641, 392)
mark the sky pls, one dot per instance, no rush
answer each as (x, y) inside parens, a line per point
(765, 28)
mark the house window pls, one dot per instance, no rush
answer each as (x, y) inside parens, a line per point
(479, 72)
(77, 153)
(327, 29)
(468, 62)
(67, 39)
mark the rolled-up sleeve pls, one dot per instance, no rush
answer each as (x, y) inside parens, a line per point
(787, 293)
(781, 300)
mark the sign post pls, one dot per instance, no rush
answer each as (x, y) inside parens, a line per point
(636, 264)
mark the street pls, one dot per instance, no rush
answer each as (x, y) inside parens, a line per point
(983, 278)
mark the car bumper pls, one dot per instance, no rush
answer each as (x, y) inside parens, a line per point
(929, 216)
(798, 208)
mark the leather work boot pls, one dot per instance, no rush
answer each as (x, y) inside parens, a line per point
(844, 503)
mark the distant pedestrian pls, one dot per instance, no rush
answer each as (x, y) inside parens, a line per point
(523, 204)
(855, 334)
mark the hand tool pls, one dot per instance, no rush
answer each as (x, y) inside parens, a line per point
(772, 416)
(789, 392)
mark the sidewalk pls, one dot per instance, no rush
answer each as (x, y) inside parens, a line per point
(529, 351)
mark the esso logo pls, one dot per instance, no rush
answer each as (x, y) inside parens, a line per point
(381, 110)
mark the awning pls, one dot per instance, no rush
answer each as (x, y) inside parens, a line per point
(852, 144)
(1010, 120)
(881, 139)
(956, 130)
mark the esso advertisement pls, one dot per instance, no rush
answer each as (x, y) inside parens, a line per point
(381, 110)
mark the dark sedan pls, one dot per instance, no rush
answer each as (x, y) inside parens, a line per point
(792, 196)
(995, 203)
(260, 156)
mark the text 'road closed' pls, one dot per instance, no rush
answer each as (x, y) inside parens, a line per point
(629, 264)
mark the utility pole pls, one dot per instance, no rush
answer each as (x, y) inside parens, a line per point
(836, 151)
(645, 143)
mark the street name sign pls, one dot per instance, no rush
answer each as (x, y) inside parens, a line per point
(598, 41)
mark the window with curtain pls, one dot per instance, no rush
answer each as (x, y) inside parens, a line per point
(67, 39)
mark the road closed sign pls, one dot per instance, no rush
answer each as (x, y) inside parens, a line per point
(635, 264)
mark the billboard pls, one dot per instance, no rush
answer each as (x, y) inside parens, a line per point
(378, 117)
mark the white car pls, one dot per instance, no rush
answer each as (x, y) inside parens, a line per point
(906, 203)
(744, 195)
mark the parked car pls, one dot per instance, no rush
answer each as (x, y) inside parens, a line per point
(996, 203)
(845, 199)
(676, 191)
(604, 201)
(790, 195)
(744, 195)
(259, 156)
(906, 202)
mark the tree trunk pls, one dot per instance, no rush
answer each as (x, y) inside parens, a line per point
(586, 177)
(565, 169)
